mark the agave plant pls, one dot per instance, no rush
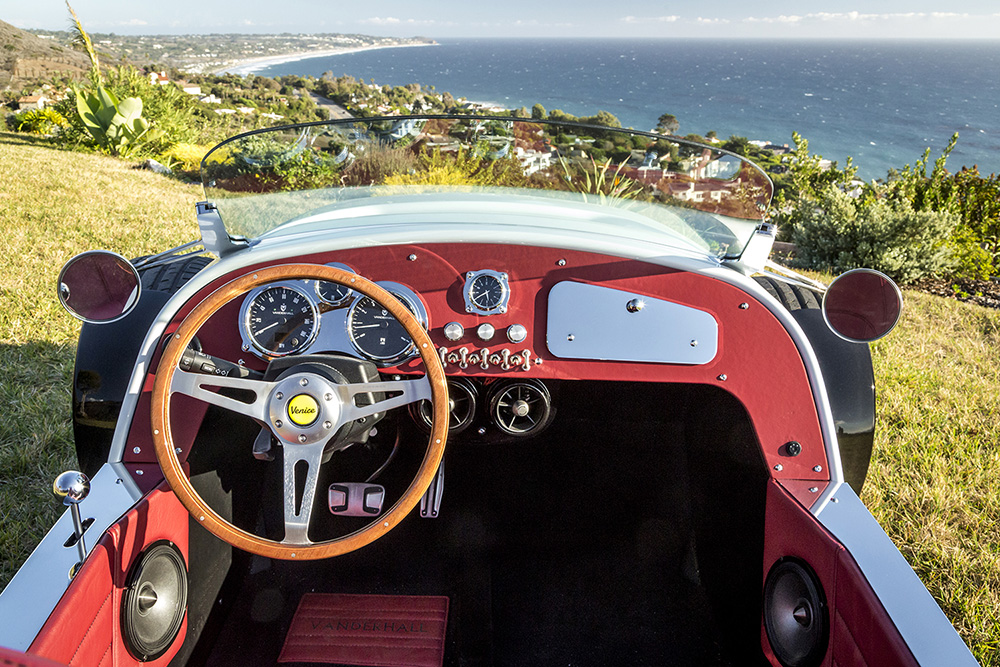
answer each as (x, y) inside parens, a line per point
(115, 125)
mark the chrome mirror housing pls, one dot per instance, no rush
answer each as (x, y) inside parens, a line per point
(98, 286)
(862, 305)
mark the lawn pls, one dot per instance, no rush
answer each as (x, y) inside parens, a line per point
(934, 478)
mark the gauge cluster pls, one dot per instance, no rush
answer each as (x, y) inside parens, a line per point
(303, 316)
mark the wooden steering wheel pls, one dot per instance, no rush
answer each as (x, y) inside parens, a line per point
(273, 405)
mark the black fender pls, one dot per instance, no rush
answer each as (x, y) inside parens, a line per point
(105, 357)
(847, 374)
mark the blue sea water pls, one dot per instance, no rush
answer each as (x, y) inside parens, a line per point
(882, 103)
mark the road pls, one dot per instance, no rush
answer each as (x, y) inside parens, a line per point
(333, 110)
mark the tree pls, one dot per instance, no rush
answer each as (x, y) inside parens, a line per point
(668, 124)
(538, 112)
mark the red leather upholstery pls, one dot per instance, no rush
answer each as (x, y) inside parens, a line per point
(861, 632)
(84, 630)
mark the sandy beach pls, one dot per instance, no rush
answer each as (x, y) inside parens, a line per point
(253, 65)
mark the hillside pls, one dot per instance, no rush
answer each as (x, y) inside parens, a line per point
(25, 56)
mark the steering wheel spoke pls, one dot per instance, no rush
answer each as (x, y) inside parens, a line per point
(301, 476)
(196, 385)
(408, 391)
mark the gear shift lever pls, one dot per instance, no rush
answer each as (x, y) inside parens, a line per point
(72, 487)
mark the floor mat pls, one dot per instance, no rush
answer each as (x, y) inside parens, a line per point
(369, 630)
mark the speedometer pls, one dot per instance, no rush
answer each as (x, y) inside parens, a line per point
(378, 335)
(280, 320)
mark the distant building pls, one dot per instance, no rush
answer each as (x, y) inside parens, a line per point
(211, 99)
(190, 88)
(159, 78)
(32, 102)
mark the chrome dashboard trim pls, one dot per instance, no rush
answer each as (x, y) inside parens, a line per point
(596, 322)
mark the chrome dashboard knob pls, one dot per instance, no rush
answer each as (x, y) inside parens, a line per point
(454, 331)
(516, 333)
(71, 487)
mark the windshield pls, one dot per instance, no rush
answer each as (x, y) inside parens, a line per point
(261, 180)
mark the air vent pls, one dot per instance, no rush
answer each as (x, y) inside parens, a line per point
(463, 400)
(521, 408)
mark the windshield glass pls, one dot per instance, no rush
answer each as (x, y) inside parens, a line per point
(261, 180)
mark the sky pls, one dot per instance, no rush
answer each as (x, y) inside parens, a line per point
(833, 19)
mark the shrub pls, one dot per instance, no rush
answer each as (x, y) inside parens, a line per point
(839, 232)
(187, 156)
(39, 121)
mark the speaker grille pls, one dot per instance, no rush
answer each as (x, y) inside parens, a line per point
(154, 602)
(795, 614)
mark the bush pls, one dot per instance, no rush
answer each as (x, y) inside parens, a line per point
(187, 156)
(39, 121)
(839, 232)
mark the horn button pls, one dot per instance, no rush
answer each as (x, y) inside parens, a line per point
(304, 408)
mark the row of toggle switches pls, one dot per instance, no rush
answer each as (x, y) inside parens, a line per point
(484, 359)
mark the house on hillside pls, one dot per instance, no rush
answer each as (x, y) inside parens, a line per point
(32, 102)
(159, 78)
(190, 88)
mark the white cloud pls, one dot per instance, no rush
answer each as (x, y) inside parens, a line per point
(649, 19)
(710, 21)
(378, 20)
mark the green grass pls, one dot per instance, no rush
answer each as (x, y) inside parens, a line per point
(54, 204)
(934, 479)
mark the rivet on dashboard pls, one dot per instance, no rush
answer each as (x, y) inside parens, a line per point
(538, 361)
(177, 449)
(694, 343)
(136, 450)
(327, 425)
(571, 337)
(328, 396)
(561, 262)
(813, 489)
(156, 431)
(818, 469)
(779, 467)
(279, 396)
(482, 430)
(744, 306)
(246, 348)
(277, 423)
(412, 258)
(138, 472)
(723, 378)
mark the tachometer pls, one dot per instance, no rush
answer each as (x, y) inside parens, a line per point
(279, 320)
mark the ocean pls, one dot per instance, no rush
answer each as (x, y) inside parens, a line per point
(881, 103)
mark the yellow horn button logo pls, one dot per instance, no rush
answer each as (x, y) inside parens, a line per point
(303, 410)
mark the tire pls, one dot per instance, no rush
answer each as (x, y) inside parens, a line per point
(791, 296)
(171, 276)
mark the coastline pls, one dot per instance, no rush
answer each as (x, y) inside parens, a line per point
(254, 65)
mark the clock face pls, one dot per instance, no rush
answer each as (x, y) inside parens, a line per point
(486, 292)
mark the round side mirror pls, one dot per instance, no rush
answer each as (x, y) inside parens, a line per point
(862, 305)
(98, 286)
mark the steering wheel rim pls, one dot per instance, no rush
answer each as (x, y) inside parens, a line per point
(180, 484)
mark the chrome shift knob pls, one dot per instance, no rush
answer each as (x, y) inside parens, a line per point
(71, 487)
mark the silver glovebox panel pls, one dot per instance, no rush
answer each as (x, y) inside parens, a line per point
(595, 322)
